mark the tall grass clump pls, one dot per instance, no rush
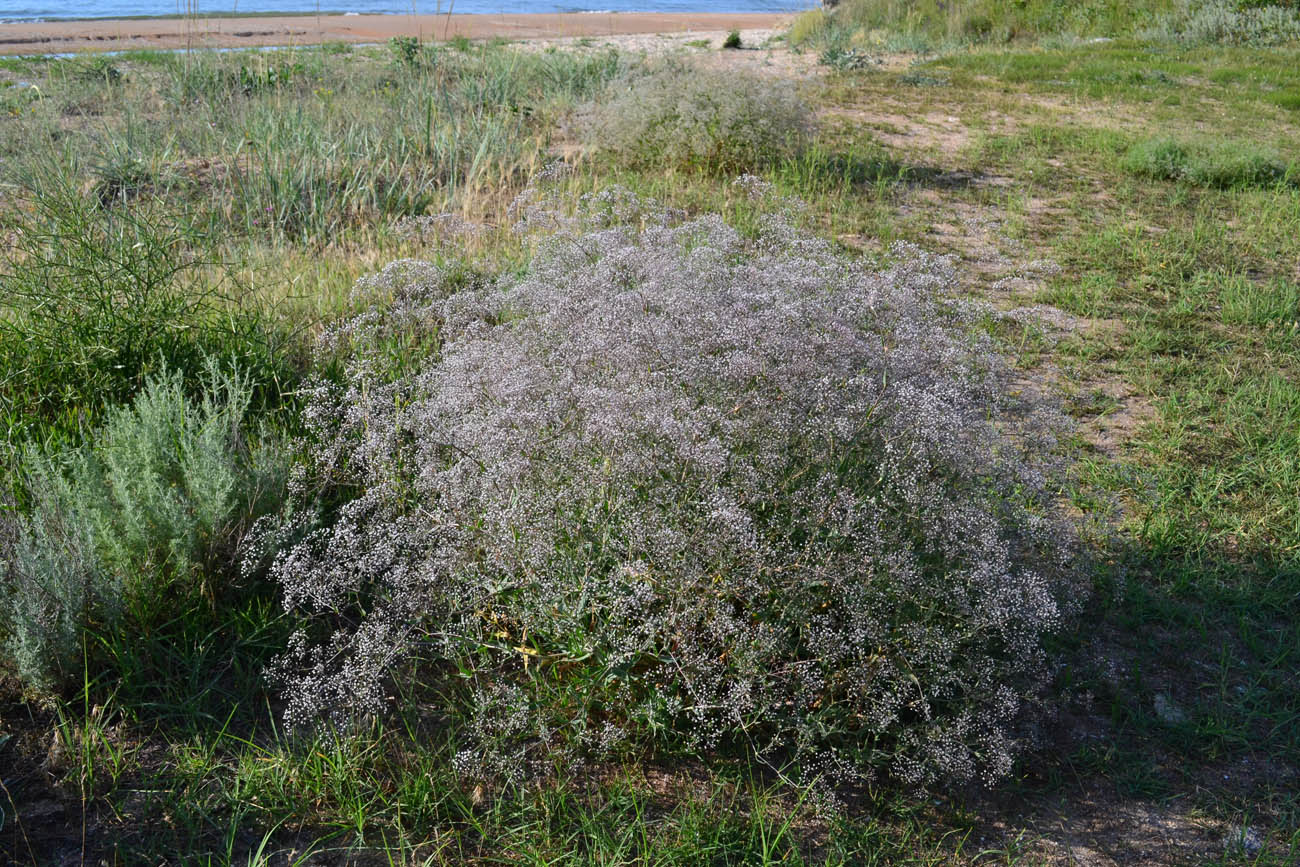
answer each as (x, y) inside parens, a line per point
(303, 146)
(695, 119)
(808, 27)
(679, 486)
(122, 534)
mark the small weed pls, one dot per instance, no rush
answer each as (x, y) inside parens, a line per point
(260, 79)
(917, 78)
(119, 180)
(406, 51)
(848, 58)
(99, 70)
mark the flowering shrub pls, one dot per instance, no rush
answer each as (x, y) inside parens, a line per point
(678, 482)
(699, 119)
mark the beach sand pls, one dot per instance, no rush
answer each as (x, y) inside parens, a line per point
(54, 37)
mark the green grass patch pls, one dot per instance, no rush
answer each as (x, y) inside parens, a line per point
(931, 24)
(975, 21)
(1223, 165)
(1289, 99)
(1209, 77)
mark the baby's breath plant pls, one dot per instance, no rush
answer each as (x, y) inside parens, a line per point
(694, 118)
(682, 486)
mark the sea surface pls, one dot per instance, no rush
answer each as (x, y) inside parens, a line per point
(28, 10)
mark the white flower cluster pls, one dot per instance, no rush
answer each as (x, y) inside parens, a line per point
(676, 482)
(685, 116)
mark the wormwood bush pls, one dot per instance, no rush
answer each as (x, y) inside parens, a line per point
(1215, 21)
(675, 482)
(698, 119)
(121, 528)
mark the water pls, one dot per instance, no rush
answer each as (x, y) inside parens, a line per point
(26, 10)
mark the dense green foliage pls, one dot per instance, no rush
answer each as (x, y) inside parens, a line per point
(98, 298)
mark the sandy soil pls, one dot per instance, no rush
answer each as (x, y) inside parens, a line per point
(50, 37)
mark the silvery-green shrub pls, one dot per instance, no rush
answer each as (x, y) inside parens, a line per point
(53, 588)
(124, 525)
(1226, 21)
(678, 483)
(695, 118)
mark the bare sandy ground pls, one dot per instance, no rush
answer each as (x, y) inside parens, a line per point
(50, 37)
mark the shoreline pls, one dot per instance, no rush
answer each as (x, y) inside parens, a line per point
(171, 16)
(262, 31)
